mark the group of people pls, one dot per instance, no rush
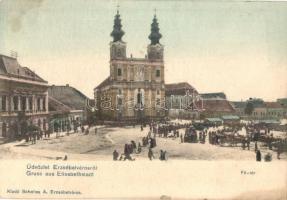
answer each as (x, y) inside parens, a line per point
(253, 134)
(33, 136)
(148, 141)
(215, 135)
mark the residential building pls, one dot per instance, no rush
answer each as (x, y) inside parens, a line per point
(182, 100)
(23, 98)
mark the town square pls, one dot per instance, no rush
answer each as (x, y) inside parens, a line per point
(134, 114)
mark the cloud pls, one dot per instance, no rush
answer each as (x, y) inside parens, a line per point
(20, 9)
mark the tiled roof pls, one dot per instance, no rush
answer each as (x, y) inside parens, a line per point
(218, 95)
(239, 104)
(179, 88)
(69, 96)
(10, 67)
(104, 83)
(55, 105)
(217, 106)
(272, 105)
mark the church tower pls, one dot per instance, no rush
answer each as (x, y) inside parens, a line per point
(117, 46)
(155, 49)
(135, 88)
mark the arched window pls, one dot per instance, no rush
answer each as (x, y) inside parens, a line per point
(139, 98)
(118, 52)
(15, 103)
(3, 103)
(38, 104)
(157, 73)
(23, 103)
(119, 72)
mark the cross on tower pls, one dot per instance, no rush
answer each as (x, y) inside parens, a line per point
(118, 6)
(155, 12)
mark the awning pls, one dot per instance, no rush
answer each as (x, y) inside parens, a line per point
(214, 119)
(230, 117)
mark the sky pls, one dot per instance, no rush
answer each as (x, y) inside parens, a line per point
(235, 47)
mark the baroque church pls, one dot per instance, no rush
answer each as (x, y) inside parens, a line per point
(135, 88)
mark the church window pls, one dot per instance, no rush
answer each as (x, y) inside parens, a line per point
(23, 103)
(120, 101)
(15, 102)
(157, 92)
(120, 91)
(3, 103)
(118, 52)
(38, 104)
(139, 97)
(119, 71)
(30, 103)
(157, 73)
(44, 104)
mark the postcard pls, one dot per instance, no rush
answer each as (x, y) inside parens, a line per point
(140, 99)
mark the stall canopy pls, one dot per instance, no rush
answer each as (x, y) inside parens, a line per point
(267, 121)
(230, 117)
(214, 120)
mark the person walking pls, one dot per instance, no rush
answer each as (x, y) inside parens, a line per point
(243, 144)
(181, 138)
(161, 155)
(248, 143)
(258, 156)
(115, 155)
(150, 154)
(165, 155)
(256, 147)
(34, 137)
(49, 133)
(139, 148)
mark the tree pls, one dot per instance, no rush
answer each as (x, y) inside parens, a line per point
(249, 108)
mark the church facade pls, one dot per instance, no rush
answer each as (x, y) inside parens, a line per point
(135, 88)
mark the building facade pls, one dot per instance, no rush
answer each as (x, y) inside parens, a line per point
(67, 108)
(182, 101)
(23, 98)
(135, 88)
(261, 109)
